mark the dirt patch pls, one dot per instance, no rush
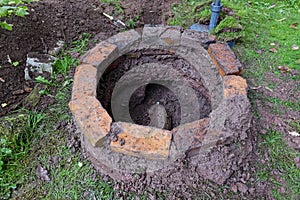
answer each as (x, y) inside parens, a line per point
(279, 116)
(142, 12)
(49, 21)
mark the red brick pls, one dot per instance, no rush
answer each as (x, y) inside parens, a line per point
(234, 85)
(142, 141)
(224, 59)
(92, 119)
(101, 55)
(85, 81)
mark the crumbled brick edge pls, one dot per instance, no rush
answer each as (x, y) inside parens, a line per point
(120, 156)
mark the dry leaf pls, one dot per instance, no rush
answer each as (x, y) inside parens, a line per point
(294, 25)
(295, 47)
(294, 133)
(284, 69)
(273, 50)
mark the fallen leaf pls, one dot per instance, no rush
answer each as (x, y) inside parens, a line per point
(273, 50)
(80, 164)
(4, 105)
(272, 44)
(284, 69)
(2, 80)
(295, 47)
(294, 25)
(294, 133)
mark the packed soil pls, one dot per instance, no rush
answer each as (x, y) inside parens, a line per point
(145, 97)
(52, 20)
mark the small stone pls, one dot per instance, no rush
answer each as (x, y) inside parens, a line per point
(242, 187)
(42, 173)
(17, 92)
(282, 190)
(297, 161)
(122, 142)
(234, 188)
(295, 47)
(251, 190)
(2, 80)
(27, 89)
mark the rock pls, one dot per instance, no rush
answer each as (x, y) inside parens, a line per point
(17, 92)
(42, 173)
(38, 63)
(234, 188)
(297, 162)
(242, 187)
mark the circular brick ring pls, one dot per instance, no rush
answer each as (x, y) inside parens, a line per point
(122, 148)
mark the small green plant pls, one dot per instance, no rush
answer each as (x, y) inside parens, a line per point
(12, 7)
(132, 21)
(14, 146)
(69, 58)
(42, 80)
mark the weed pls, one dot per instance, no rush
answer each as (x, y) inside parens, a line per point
(42, 80)
(67, 59)
(14, 148)
(131, 22)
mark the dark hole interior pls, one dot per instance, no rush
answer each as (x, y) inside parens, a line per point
(150, 94)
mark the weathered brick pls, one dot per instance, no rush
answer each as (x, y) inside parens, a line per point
(101, 56)
(234, 85)
(85, 81)
(224, 59)
(92, 119)
(126, 41)
(195, 39)
(142, 141)
(188, 138)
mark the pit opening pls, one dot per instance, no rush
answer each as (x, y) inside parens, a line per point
(150, 94)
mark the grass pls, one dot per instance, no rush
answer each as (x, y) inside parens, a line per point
(14, 148)
(281, 164)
